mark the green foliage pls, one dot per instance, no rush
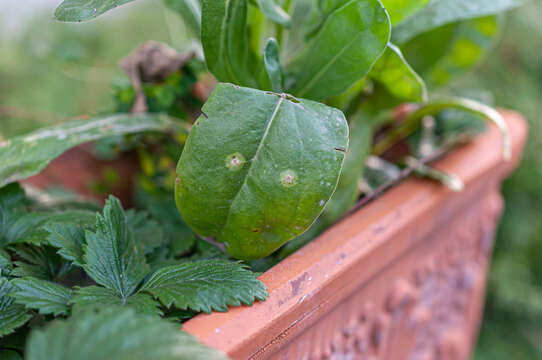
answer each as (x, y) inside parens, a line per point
(268, 184)
(400, 10)
(354, 37)
(447, 52)
(274, 12)
(69, 238)
(40, 262)
(205, 285)
(99, 297)
(257, 170)
(115, 334)
(512, 320)
(225, 41)
(81, 10)
(42, 295)
(442, 12)
(146, 231)
(190, 11)
(271, 57)
(24, 156)
(112, 256)
(394, 73)
(12, 315)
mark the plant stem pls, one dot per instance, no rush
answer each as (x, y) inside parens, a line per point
(406, 172)
(433, 107)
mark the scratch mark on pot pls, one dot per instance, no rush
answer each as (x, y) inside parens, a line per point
(340, 259)
(377, 229)
(302, 299)
(297, 283)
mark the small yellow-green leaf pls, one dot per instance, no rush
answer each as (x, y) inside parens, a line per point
(395, 74)
(271, 57)
(274, 12)
(400, 10)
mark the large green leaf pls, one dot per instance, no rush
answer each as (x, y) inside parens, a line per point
(205, 285)
(112, 258)
(81, 10)
(353, 36)
(400, 10)
(348, 190)
(42, 295)
(26, 155)
(98, 297)
(12, 315)
(190, 11)
(442, 12)
(225, 41)
(258, 168)
(395, 74)
(451, 50)
(115, 334)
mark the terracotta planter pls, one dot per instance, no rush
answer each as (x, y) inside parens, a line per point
(402, 278)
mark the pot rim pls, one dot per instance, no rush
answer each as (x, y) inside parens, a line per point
(317, 277)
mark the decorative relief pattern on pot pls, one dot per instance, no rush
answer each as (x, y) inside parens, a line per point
(423, 307)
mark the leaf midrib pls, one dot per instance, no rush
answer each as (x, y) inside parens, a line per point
(324, 69)
(255, 157)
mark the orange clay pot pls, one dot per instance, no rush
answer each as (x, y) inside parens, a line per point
(402, 278)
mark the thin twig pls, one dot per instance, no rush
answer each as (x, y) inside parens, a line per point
(406, 172)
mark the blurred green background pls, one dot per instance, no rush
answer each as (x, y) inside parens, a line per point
(50, 72)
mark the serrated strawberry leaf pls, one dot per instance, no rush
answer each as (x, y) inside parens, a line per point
(44, 296)
(41, 262)
(69, 238)
(112, 257)
(205, 285)
(99, 297)
(147, 232)
(115, 333)
(12, 315)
